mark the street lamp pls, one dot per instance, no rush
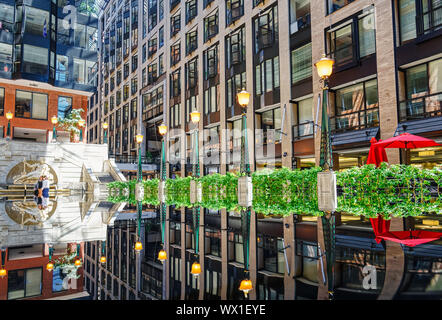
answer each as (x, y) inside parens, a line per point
(105, 126)
(81, 124)
(3, 271)
(54, 121)
(243, 100)
(77, 261)
(139, 139)
(325, 68)
(9, 116)
(162, 255)
(103, 256)
(50, 265)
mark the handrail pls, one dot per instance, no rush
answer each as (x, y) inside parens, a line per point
(421, 107)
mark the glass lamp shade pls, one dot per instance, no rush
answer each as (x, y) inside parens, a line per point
(195, 116)
(81, 122)
(162, 256)
(324, 67)
(246, 286)
(162, 129)
(243, 98)
(139, 138)
(105, 125)
(50, 266)
(103, 259)
(54, 120)
(196, 269)
(3, 272)
(9, 115)
(138, 246)
(77, 262)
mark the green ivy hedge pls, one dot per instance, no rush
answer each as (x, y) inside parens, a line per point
(395, 190)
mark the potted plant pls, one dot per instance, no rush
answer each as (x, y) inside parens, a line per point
(71, 124)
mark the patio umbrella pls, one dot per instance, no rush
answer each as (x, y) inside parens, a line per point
(407, 141)
(380, 227)
(376, 154)
(411, 238)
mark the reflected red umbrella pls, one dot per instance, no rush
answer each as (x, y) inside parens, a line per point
(407, 141)
(411, 238)
(376, 154)
(380, 226)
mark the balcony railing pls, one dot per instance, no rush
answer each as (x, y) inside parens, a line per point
(422, 107)
(357, 120)
(303, 130)
(123, 158)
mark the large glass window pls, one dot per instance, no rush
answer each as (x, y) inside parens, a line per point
(210, 26)
(35, 59)
(267, 76)
(301, 61)
(62, 65)
(36, 22)
(64, 107)
(24, 283)
(210, 100)
(234, 10)
(304, 125)
(31, 105)
(79, 71)
(5, 57)
(299, 15)
(7, 17)
(236, 49)
(356, 107)
(266, 29)
(271, 254)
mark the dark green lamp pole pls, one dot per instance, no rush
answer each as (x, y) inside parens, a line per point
(325, 68)
(54, 121)
(138, 244)
(9, 117)
(105, 126)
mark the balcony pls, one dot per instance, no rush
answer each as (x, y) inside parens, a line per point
(357, 120)
(303, 130)
(128, 159)
(426, 106)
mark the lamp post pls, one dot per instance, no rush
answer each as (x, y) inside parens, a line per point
(3, 271)
(54, 121)
(77, 261)
(103, 255)
(138, 245)
(81, 124)
(195, 117)
(243, 100)
(325, 68)
(9, 116)
(50, 265)
(105, 126)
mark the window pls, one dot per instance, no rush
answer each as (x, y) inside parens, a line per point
(152, 75)
(161, 64)
(36, 22)
(118, 97)
(133, 85)
(211, 100)
(192, 74)
(7, 17)
(134, 62)
(234, 85)
(191, 41)
(266, 29)
(304, 124)
(35, 60)
(356, 107)
(152, 16)
(272, 253)
(64, 107)
(333, 5)
(267, 76)
(236, 48)
(423, 91)
(160, 10)
(31, 105)
(175, 53)
(175, 24)
(2, 101)
(125, 92)
(191, 105)
(24, 283)
(418, 18)
(83, 70)
(152, 43)
(210, 26)
(161, 36)
(62, 73)
(211, 62)
(270, 125)
(144, 54)
(308, 255)
(126, 70)
(191, 10)
(301, 63)
(175, 116)
(342, 41)
(213, 241)
(133, 109)
(299, 15)
(175, 88)
(235, 244)
(234, 10)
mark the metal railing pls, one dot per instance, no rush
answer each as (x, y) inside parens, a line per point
(357, 120)
(423, 107)
(303, 130)
(123, 158)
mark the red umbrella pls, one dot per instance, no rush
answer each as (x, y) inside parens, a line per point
(411, 238)
(377, 154)
(380, 226)
(407, 141)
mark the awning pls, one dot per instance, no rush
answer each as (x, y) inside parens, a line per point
(358, 136)
(420, 126)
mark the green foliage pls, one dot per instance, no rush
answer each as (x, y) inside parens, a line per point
(395, 190)
(70, 123)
